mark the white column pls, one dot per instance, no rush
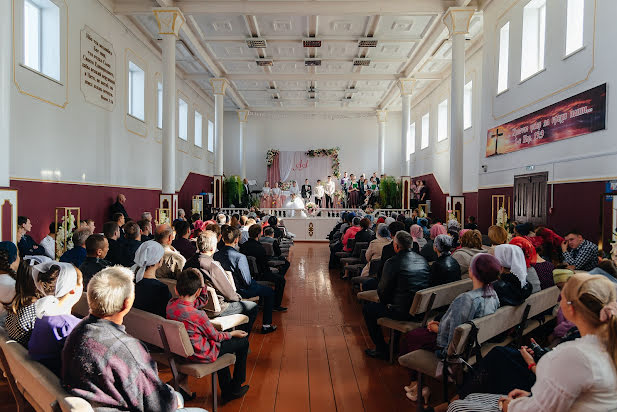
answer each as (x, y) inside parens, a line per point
(169, 20)
(6, 63)
(243, 116)
(406, 86)
(381, 136)
(218, 87)
(457, 20)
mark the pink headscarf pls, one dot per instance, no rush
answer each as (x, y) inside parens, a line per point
(462, 232)
(438, 229)
(416, 232)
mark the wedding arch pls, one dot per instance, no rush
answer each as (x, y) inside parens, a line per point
(299, 165)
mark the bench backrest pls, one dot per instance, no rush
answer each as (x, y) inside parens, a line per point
(444, 295)
(357, 248)
(171, 285)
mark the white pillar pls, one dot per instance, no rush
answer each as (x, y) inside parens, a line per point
(243, 116)
(406, 86)
(218, 87)
(457, 20)
(381, 136)
(6, 63)
(169, 20)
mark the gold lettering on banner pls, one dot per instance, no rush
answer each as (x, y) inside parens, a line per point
(311, 229)
(98, 69)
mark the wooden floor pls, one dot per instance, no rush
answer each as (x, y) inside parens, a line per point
(315, 361)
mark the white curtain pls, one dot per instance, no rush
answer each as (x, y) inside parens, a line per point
(298, 166)
(286, 162)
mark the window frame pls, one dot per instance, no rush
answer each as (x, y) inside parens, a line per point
(411, 139)
(425, 133)
(582, 30)
(534, 15)
(201, 129)
(184, 138)
(210, 145)
(503, 69)
(468, 105)
(46, 44)
(130, 91)
(442, 124)
(159, 105)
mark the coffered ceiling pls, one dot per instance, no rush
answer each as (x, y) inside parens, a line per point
(343, 55)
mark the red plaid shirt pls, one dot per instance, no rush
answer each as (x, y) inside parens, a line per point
(205, 338)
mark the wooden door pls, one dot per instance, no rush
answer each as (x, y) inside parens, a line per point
(530, 193)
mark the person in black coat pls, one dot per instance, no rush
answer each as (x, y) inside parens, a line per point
(445, 269)
(307, 191)
(97, 248)
(365, 234)
(403, 275)
(246, 193)
(118, 207)
(388, 250)
(115, 255)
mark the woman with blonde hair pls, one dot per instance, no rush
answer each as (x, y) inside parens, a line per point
(498, 236)
(580, 375)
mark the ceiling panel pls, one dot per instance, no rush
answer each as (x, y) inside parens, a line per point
(232, 50)
(392, 50)
(221, 25)
(292, 84)
(251, 84)
(344, 26)
(403, 26)
(294, 94)
(273, 26)
(373, 84)
(289, 67)
(334, 67)
(331, 95)
(338, 50)
(332, 84)
(234, 67)
(284, 49)
(382, 68)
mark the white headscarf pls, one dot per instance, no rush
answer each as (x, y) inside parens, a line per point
(37, 259)
(149, 253)
(65, 282)
(389, 220)
(511, 256)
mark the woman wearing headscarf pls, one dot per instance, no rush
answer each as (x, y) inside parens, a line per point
(532, 261)
(9, 263)
(550, 244)
(417, 235)
(454, 227)
(151, 294)
(62, 287)
(579, 375)
(376, 246)
(445, 269)
(471, 245)
(423, 222)
(428, 252)
(478, 302)
(512, 286)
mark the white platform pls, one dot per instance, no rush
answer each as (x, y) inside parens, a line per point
(310, 229)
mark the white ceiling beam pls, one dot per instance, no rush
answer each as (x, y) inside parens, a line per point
(330, 8)
(279, 39)
(301, 76)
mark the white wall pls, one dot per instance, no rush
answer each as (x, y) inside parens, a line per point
(357, 139)
(591, 156)
(86, 143)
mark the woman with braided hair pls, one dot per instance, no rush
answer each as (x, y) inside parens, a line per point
(9, 262)
(22, 311)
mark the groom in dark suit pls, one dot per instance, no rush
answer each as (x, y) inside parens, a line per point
(307, 190)
(246, 193)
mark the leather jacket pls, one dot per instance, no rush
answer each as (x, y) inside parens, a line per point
(445, 270)
(403, 275)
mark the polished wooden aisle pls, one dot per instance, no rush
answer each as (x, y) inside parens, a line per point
(315, 361)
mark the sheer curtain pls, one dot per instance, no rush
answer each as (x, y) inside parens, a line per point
(286, 163)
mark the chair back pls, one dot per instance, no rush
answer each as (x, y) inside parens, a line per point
(253, 266)
(363, 256)
(357, 248)
(443, 296)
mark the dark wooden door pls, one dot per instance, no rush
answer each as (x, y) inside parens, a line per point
(530, 198)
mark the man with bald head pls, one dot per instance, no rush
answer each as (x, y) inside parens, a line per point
(173, 261)
(118, 207)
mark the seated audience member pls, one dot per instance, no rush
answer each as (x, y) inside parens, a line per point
(523, 230)
(235, 221)
(244, 228)
(512, 287)
(471, 223)
(268, 237)
(273, 222)
(235, 262)
(376, 246)
(454, 228)
(208, 343)
(423, 223)
(132, 241)
(88, 223)
(182, 243)
(173, 261)
(25, 243)
(549, 243)
(478, 302)
(428, 252)
(97, 247)
(62, 286)
(118, 207)
(22, 309)
(214, 276)
(606, 268)
(49, 242)
(579, 253)
(388, 250)
(9, 263)
(577, 375)
(365, 234)
(120, 220)
(403, 275)
(221, 219)
(144, 230)
(445, 269)
(351, 233)
(542, 268)
(498, 236)
(417, 234)
(253, 248)
(111, 230)
(147, 217)
(77, 255)
(181, 217)
(471, 245)
(99, 350)
(151, 294)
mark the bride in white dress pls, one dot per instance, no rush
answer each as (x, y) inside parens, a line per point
(295, 205)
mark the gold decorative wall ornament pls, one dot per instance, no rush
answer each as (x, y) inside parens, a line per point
(169, 19)
(219, 85)
(311, 229)
(406, 86)
(457, 19)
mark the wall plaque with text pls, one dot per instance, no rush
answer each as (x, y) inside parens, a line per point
(98, 69)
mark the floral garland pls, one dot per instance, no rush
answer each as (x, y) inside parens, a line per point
(65, 231)
(270, 155)
(311, 208)
(333, 153)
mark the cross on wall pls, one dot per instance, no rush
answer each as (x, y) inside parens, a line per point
(496, 137)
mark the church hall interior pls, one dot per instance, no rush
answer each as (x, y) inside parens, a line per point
(308, 205)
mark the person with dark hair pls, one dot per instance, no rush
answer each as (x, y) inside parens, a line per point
(268, 237)
(208, 343)
(151, 295)
(235, 262)
(388, 250)
(365, 234)
(144, 230)
(111, 230)
(173, 261)
(77, 255)
(26, 245)
(273, 222)
(445, 269)
(182, 243)
(97, 247)
(22, 310)
(606, 268)
(471, 245)
(120, 219)
(471, 223)
(403, 275)
(130, 243)
(9, 263)
(49, 242)
(118, 207)
(579, 253)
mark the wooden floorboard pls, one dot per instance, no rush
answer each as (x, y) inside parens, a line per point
(315, 362)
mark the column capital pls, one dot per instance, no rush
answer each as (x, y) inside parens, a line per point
(382, 115)
(243, 116)
(169, 19)
(457, 19)
(219, 85)
(406, 86)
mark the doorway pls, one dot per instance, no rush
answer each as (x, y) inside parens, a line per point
(530, 203)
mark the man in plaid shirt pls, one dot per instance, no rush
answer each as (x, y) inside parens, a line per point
(578, 253)
(208, 343)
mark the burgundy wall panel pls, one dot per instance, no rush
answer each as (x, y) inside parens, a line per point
(436, 195)
(6, 214)
(193, 185)
(471, 205)
(484, 205)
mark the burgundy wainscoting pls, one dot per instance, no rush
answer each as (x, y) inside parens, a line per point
(6, 214)
(436, 195)
(484, 205)
(471, 205)
(193, 185)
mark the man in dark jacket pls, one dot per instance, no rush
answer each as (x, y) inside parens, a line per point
(97, 247)
(365, 234)
(111, 230)
(130, 243)
(307, 191)
(118, 207)
(403, 275)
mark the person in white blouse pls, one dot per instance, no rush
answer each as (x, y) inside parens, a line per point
(276, 195)
(576, 376)
(319, 193)
(49, 242)
(329, 190)
(266, 200)
(294, 189)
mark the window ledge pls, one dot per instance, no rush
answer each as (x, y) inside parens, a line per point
(159, 128)
(42, 74)
(198, 146)
(183, 139)
(136, 118)
(467, 128)
(532, 76)
(572, 53)
(502, 92)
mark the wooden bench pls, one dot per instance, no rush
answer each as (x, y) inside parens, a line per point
(32, 384)
(473, 338)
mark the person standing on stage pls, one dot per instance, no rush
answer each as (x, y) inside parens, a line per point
(319, 193)
(329, 190)
(307, 190)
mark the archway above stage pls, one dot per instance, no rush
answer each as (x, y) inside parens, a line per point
(300, 165)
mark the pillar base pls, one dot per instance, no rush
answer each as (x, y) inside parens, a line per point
(167, 211)
(455, 206)
(218, 192)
